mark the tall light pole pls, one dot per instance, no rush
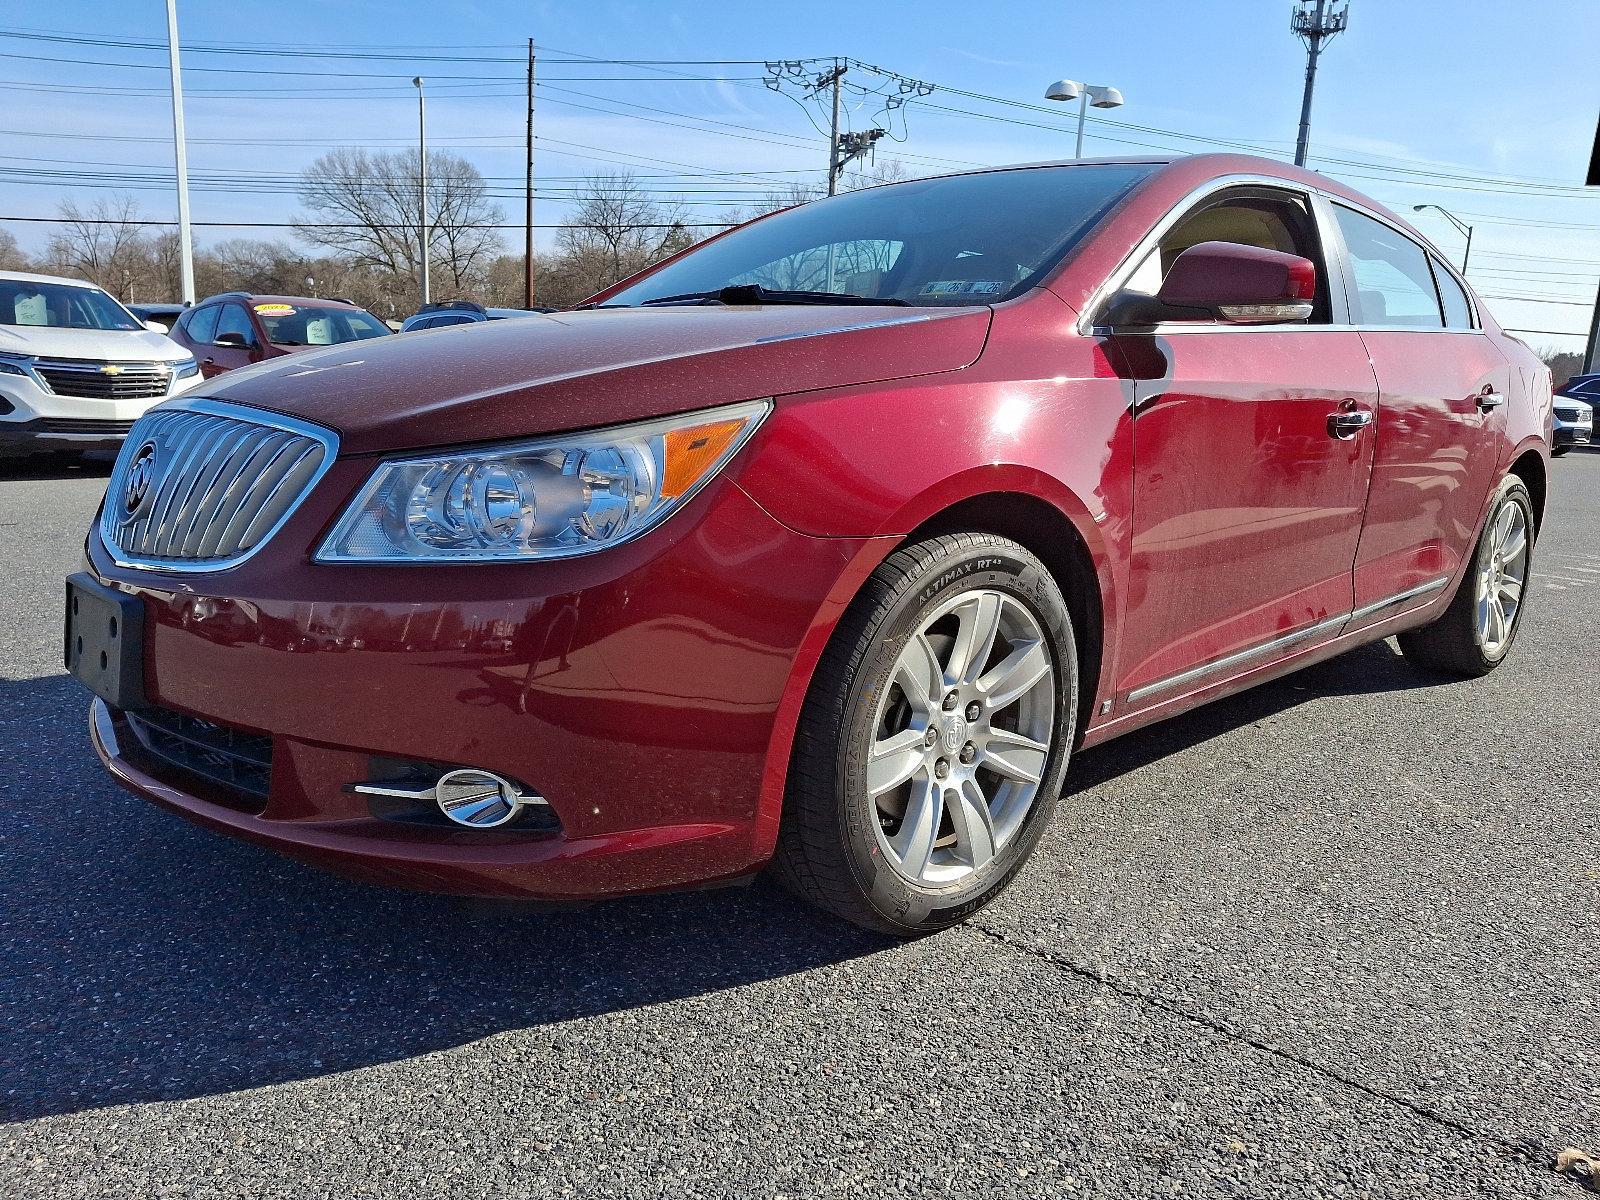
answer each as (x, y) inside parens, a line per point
(180, 150)
(1068, 90)
(1460, 225)
(423, 229)
(1313, 27)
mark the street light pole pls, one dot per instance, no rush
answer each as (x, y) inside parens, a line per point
(180, 150)
(1068, 90)
(1461, 227)
(424, 232)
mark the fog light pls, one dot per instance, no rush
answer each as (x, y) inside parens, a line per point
(467, 796)
(477, 799)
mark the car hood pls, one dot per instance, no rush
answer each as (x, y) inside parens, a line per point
(576, 370)
(120, 345)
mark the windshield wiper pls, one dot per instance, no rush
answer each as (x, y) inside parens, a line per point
(754, 293)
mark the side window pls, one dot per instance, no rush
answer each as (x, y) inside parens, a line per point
(235, 320)
(1394, 285)
(1252, 217)
(1457, 310)
(202, 324)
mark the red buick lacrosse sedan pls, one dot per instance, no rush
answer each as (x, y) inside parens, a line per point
(819, 546)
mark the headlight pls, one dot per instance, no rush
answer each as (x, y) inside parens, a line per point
(556, 497)
(182, 368)
(11, 365)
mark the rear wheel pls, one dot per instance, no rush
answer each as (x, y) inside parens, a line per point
(1476, 632)
(933, 742)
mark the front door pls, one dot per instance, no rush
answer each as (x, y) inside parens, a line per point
(1439, 380)
(1248, 500)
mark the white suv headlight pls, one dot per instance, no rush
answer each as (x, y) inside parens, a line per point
(553, 497)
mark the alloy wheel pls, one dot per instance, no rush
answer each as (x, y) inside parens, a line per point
(962, 737)
(1501, 579)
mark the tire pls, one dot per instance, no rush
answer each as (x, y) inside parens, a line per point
(1466, 641)
(925, 853)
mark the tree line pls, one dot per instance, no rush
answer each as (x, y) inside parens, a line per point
(358, 238)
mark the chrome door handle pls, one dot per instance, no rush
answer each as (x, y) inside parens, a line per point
(1489, 399)
(1346, 423)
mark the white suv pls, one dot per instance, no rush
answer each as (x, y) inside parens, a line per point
(76, 368)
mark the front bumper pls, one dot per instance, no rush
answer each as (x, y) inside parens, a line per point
(33, 418)
(1567, 431)
(638, 690)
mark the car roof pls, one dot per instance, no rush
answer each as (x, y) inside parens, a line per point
(264, 298)
(31, 277)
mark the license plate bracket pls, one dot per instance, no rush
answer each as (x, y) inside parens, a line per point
(104, 641)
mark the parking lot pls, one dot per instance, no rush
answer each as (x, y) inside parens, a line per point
(1336, 936)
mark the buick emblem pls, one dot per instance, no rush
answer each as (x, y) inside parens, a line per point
(140, 475)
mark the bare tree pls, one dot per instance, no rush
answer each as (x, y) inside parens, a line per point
(11, 256)
(103, 243)
(364, 207)
(619, 228)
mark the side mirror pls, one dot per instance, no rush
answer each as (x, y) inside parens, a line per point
(232, 340)
(1224, 281)
(156, 327)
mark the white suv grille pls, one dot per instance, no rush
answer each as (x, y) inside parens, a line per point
(200, 485)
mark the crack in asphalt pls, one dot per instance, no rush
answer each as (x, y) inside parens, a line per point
(1529, 1153)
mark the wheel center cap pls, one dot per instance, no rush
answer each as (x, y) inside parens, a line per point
(953, 732)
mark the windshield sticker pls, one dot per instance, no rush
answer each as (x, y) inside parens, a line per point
(275, 310)
(964, 287)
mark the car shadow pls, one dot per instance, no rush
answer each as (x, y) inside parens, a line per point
(152, 960)
(57, 466)
(1374, 668)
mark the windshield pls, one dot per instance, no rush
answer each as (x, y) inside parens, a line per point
(61, 306)
(961, 240)
(316, 325)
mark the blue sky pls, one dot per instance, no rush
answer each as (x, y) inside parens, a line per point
(1485, 108)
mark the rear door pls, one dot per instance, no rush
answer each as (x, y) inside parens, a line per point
(1247, 503)
(1441, 387)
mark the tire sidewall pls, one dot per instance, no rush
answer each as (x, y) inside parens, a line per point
(1003, 566)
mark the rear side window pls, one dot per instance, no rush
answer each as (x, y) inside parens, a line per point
(202, 326)
(1457, 311)
(1394, 285)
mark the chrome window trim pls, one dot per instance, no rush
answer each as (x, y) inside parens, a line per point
(244, 413)
(1330, 624)
(1320, 202)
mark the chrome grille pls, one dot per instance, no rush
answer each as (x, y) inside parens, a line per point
(97, 380)
(200, 485)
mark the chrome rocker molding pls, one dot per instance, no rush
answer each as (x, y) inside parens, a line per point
(1265, 649)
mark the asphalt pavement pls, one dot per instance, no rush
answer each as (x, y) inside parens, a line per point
(1334, 937)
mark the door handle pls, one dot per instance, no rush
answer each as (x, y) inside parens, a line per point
(1489, 399)
(1348, 422)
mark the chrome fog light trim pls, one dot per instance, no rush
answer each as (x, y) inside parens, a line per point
(467, 796)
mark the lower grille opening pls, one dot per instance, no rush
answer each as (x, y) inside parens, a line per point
(236, 765)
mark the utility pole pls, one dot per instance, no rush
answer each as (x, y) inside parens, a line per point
(424, 232)
(834, 165)
(527, 235)
(1313, 28)
(181, 150)
(1591, 354)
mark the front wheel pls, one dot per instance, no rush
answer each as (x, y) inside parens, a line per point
(934, 738)
(1475, 633)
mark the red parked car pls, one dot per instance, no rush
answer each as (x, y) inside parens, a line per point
(236, 329)
(821, 545)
